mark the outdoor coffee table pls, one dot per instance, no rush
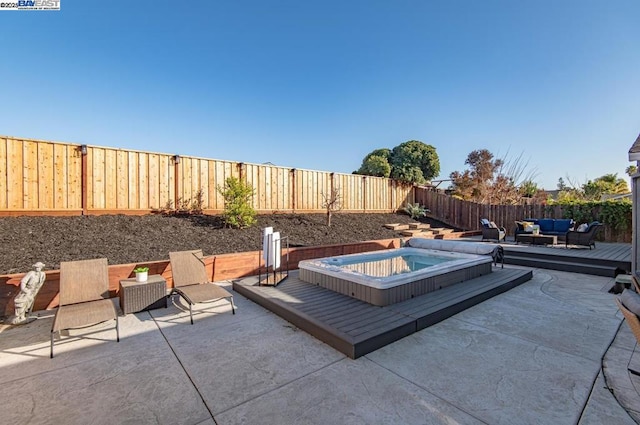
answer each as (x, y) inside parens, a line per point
(537, 239)
(139, 296)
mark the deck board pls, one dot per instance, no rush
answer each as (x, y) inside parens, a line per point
(605, 260)
(355, 327)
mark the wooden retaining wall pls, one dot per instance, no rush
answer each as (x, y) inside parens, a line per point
(40, 177)
(219, 267)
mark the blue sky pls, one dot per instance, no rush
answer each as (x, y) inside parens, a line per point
(320, 84)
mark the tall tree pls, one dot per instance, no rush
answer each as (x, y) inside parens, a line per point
(477, 183)
(414, 162)
(528, 188)
(376, 164)
(561, 184)
(607, 184)
(411, 162)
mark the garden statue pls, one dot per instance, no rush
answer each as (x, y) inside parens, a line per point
(29, 287)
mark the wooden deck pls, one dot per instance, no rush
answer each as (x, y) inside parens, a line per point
(606, 259)
(355, 327)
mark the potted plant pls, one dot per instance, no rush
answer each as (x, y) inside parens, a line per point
(141, 273)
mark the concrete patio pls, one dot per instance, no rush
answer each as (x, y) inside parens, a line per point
(553, 350)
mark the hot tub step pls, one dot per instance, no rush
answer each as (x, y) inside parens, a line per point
(397, 226)
(415, 232)
(426, 234)
(419, 226)
(441, 230)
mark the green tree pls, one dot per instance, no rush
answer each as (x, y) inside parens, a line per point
(569, 195)
(414, 162)
(607, 184)
(410, 162)
(528, 189)
(238, 212)
(631, 170)
(376, 164)
(561, 184)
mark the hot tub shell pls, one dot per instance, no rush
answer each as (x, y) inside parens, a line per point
(328, 273)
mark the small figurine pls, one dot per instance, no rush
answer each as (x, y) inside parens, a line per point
(29, 287)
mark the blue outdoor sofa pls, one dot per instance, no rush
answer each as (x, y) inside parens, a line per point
(548, 226)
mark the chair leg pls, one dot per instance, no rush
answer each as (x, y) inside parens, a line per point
(51, 353)
(117, 330)
(233, 307)
(191, 313)
(633, 372)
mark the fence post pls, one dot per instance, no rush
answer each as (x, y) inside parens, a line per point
(364, 194)
(294, 190)
(83, 178)
(176, 181)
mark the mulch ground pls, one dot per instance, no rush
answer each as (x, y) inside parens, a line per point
(129, 239)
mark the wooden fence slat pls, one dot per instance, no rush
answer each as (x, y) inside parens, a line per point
(45, 177)
(30, 177)
(60, 177)
(122, 180)
(134, 180)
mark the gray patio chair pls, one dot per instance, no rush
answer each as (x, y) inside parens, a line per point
(190, 280)
(84, 297)
(586, 238)
(490, 231)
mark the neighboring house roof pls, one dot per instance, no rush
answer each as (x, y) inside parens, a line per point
(634, 152)
(615, 196)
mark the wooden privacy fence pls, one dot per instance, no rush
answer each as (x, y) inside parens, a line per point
(466, 215)
(43, 177)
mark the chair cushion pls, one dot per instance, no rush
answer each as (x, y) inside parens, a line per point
(546, 224)
(562, 225)
(582, 228)
(202, 293)
(83, 314)
(493, 225)
(631, 301)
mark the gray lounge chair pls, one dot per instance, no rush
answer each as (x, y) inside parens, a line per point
(84, 296)
(586, 238)
(190, 280)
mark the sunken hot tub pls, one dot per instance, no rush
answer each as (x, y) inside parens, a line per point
(394, 275)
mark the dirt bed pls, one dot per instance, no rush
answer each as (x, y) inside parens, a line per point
(129, 239)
